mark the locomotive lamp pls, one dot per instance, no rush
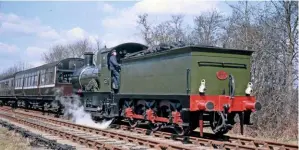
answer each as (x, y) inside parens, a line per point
(248, 91)
(202, 87)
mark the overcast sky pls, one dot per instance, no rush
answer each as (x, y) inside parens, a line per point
(27, 29)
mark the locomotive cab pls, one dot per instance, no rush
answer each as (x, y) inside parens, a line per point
(122, 51)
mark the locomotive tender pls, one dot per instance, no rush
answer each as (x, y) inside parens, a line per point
(181, 87)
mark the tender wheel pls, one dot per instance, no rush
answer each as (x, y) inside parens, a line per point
(219, 124)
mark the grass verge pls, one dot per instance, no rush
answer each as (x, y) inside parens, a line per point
(10, 140)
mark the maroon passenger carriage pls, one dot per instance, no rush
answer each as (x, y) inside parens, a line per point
(35, 87)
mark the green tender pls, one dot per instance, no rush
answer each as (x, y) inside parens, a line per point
(180, 71)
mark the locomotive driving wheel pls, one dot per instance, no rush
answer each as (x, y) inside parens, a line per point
(181, 130)
(154, 126)
(133, 123)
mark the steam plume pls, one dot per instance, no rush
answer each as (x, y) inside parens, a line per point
(73, 108)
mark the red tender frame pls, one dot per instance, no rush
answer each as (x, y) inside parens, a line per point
(238, 103)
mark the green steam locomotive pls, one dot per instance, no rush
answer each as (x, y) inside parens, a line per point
(170, 86)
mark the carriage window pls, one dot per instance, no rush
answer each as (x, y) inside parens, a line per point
(50, 75)
(27, 81)
(19, 83)
(31, 80)
(35, 80)
(11, 83)
(42, 82)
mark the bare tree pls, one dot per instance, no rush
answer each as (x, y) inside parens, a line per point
(162, 33)
(176, 28)
(146, 29)
(20, 66)
(167, 32)
(271, 31)
(207, 27)
(56, 53)
(76, 49)
(269, 28)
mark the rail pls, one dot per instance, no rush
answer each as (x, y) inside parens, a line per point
(209, 141)
(144, 140)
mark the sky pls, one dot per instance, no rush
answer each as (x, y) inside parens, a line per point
(28, 29)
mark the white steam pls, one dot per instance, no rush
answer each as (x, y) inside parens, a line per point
(73, 108)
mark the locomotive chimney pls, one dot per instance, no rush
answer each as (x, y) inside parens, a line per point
(88, 59)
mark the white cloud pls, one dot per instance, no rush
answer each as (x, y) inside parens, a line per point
(45, 37)
(128, 17)
(105, 7)
(7, 48)
(76, 33)
(49, 34)
(9, 17)
(108, 8)
(16, 28)
(187, 7)
(33, 55)
(72, 35)
(13, 24)
(120, 23)
(33, 51)
(123, 25)
(111, 39)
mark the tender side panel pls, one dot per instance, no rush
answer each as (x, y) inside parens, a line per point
(164, 74)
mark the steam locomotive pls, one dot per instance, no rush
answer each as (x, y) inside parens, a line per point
(165, 86)
(180, 87)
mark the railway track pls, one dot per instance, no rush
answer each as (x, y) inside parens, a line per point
(196, 143)
(228, 142)
(93, 137)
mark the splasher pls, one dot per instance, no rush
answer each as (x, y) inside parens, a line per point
(74, 109)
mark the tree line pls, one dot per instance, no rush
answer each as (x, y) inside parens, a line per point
(269, 28)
